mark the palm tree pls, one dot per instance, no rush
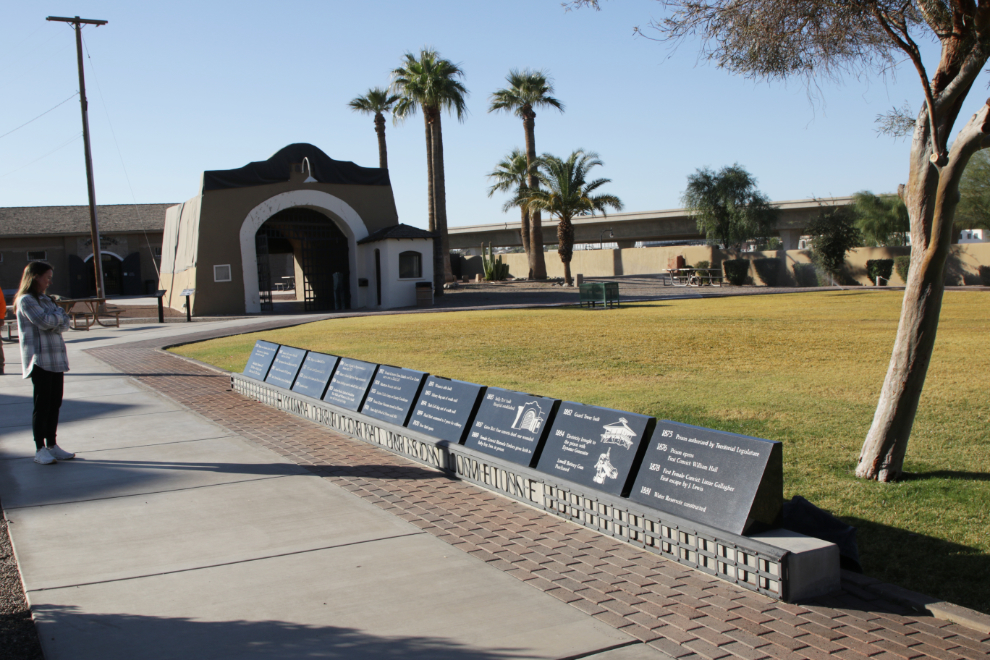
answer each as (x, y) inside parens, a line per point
(510, 175)
(377, 102)
(527, 90)
(430, 82)
(569, 194)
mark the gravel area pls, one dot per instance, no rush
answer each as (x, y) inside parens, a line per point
(18, 637)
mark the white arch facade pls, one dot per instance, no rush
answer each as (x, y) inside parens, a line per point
(103, 252)
(339, 211)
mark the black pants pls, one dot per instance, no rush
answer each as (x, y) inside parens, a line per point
(47, 401)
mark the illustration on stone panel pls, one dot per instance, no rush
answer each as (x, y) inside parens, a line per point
(619, 433)
(605, 468)
(529, 417)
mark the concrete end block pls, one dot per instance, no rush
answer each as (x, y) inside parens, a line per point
(813, 565)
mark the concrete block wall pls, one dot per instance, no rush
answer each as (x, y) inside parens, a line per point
(963, 265)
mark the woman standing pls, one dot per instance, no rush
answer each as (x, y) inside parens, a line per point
(3, 315)
(40, 324)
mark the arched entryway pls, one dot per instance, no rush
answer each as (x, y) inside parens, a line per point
(113, 274)
(319, 256)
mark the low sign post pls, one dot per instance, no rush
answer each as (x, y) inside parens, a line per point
(187, 293)
(160, 294)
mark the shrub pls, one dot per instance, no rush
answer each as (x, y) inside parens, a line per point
(806, 274)
(834, 233)
(985, 275)
(901, 265)
(703, 264)
(879, 268)
(736, 270)
(768, 270)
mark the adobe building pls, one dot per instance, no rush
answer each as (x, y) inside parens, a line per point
(300, 221)
(130, 244)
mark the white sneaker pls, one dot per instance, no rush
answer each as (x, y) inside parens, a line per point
(60, 454)
(44, 457)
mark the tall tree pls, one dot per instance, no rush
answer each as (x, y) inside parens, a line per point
(567, 193)
(882, 219)
(376, 102)
(528, 90)
(833, 234)
(728, 207)
(431, 83)
(974, 205)
(511, 175)
(815, 39)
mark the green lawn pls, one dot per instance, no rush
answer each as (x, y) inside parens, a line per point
(805, 369)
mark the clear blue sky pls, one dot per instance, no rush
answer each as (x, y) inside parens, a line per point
(193, 86)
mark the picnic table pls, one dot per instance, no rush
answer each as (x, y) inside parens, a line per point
(92, 309)
(694, 277)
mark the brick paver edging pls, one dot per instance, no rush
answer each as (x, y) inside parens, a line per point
(681, 612)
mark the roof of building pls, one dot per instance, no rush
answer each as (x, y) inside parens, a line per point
(69, 220)
(396, 231)
(278, 169)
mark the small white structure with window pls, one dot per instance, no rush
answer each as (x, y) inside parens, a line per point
(974, 236)
(396, 259)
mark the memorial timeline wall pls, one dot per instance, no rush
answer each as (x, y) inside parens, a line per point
(315, 374)
(393, 394)
(285, 366)
(512, 425)
(350, 383)
(723, 480)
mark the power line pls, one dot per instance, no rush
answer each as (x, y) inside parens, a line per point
(120, 155)
(74, 95)
(61, 146)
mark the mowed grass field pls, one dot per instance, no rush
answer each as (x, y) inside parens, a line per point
(805, 369)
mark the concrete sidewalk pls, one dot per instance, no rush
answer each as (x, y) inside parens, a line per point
(183, 530)
(170, 536)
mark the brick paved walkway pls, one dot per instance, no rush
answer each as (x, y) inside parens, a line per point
(681, 612)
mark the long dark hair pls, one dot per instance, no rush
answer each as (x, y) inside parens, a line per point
(28, 280)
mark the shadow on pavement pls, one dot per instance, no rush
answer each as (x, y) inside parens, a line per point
(67, 632)
(16, 409)
(890, 555)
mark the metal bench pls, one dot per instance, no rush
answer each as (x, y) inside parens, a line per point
(593, 293)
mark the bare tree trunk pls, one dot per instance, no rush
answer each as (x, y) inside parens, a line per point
(382, 151)
(524, 235)
(440, 196)
(565, 246)
(931, 197)
(537, 261)
(431, 207)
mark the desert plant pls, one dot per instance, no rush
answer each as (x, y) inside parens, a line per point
(768, 270)
(736, 270)
(879, 268)
(493, 268)
(901, 265)
(566, 194)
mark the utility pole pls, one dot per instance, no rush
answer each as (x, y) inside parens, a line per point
(94, 226)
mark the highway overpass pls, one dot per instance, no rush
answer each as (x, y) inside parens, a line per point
(627, 228)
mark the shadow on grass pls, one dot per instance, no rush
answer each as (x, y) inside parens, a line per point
(947, 474)
(948, 571)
